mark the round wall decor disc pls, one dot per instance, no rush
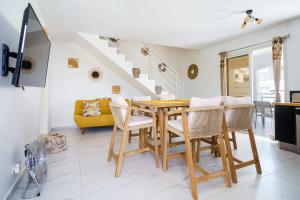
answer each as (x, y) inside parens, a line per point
(95, 74)
(193, 71)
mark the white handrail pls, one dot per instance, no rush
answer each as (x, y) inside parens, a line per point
(170, 79)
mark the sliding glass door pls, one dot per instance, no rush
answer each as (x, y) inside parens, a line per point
(262, 76)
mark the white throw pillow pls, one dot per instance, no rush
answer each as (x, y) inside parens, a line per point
(196, 102)
(122, 111)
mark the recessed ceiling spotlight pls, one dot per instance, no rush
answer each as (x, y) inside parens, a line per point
(250, 18)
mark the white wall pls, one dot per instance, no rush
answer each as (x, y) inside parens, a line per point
(67, 84)
(208, 81)
(19, 110)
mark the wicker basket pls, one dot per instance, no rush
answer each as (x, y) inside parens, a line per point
(55, 142)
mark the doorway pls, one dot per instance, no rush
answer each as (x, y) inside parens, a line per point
(263, 90)
(238, 84)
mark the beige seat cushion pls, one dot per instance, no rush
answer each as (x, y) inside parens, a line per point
(140, 120)
(177, 124)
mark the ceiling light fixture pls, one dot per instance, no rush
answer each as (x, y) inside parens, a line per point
(250, 18)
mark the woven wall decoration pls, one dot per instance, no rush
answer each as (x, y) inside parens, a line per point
(73, 62)
(95, 74)
(193, 71)
(162, 67)
(145, 51)
(116, 89)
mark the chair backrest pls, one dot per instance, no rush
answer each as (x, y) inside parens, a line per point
(206, 121)
(167, 97)
(141, 98)
(119, 108)
(196, 102)
(238, 113)
(205, 117)
(263, 107)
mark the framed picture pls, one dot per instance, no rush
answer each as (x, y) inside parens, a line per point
(116, 89)
(73, 62)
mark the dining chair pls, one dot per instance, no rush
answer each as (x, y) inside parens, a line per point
(196, 123)
(238, 117)
(263, 109)
(138, 98)
(125, 121)
(166, 97)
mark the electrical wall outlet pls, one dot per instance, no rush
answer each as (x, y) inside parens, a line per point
(16, 168)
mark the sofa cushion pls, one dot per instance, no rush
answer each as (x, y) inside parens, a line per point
(91, 109)
(101, 120)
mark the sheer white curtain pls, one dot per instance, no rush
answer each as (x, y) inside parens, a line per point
(277, 60)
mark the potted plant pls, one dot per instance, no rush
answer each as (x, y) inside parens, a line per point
(158, 89)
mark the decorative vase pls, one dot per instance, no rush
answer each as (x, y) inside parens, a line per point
(158, 89)
(136, 72)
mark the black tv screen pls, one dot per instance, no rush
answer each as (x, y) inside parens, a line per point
(33, 52)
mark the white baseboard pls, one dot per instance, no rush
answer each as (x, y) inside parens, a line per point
(13, 188)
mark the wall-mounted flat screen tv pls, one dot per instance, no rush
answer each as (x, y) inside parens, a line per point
(33, 52)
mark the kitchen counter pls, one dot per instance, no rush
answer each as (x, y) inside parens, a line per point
(286, 104)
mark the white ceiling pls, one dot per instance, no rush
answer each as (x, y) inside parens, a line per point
(177, 23)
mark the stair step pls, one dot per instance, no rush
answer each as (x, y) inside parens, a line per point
(119, 58)
(144, 76)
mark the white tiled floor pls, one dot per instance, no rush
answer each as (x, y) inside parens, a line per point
(82, 173)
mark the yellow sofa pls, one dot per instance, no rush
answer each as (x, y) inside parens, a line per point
(105, 119)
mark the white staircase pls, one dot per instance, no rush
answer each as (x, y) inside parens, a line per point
(116, 56)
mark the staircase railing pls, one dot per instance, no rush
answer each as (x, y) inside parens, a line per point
(170, 79)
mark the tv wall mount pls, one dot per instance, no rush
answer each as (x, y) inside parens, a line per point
(6, 54)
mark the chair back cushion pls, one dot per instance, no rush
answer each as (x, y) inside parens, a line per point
(119, 114)
(196, 102)
(167, 97)
(238, 113)
(206, 121)
(141, 98)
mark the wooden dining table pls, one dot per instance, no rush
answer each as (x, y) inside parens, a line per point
(160, 106)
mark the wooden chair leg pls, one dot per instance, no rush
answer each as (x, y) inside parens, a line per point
(156, 152)
(170, 138)
(112, 143)
(254, 151)
(234, 140)
(129, 137)
(191, 169)
(140, 138)
(198, 150)
(229, 153)
(194, 149)
(121, 153)
(82, 131)
(165, 148)
(224, 162)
